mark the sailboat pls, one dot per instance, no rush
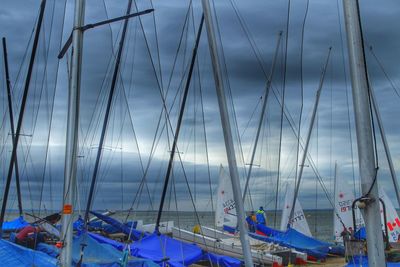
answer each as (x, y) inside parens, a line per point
(225, 242)
(299, 220)
(343, 213)
(392, 220)
(224, 238)
(294, 235)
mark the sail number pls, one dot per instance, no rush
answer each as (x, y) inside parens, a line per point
(229, 205)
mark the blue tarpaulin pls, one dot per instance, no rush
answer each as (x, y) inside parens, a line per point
(126, 229)
(223, 260)
(14, 255)
(162, 249)
(361, 233)
(173, 251)
(294, 239)
(15, 224)
(362, 261)
(97, 254)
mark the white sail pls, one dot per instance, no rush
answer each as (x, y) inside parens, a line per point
(299, 221)
(393, 221)
(225, 212)
(344, 198)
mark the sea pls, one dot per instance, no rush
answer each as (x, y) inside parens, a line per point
(319, 221)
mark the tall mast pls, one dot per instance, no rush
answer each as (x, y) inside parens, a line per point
(260, 122)
(386, 146)
(11, 113)
(107, 113)
(21, 114)
(314, 113)
(368, 174)
(230, 151)
(72, 135)
(178, 125)
(334, 195)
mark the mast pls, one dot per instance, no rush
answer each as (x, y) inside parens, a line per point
(385, 145)
(335, 173)
(178, 125)
(368, 173)
(230, 151)
(314, 113)
(107, 114)
(72, 135)
(11, 113)
(267, 89)
(21, 114)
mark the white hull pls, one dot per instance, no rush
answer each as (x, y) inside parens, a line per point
(208, 231)
(165, 227)
(227, 246)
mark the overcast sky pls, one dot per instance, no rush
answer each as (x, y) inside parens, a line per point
(154, 42)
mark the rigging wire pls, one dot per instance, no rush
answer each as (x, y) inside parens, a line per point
(282, 111)
(395, 89)
(158, 131)
(301, 87)
(347, 96)
(230, 97)
(52, 101)
(370, 106)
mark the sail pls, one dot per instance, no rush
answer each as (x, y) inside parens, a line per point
(299, 221)
(225, 211)
(393, 221)
(344, 198)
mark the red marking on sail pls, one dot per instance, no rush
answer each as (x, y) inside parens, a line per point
(392, 225)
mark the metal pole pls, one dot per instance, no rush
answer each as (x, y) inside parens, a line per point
(21, 114)
(314, 113)
(72, 135)
(178, 125)
(107, 115)
(359, 81)
(334, 196)
(385, 145)
(230, 151)
(11, 113)
(267, 89)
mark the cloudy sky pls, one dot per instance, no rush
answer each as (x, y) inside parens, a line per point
(154, 68)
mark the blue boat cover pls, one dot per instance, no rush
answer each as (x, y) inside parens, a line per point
(173, 252)
(96, 254)
(361, 233)
(79, 225)
(160, 248)
(135, 234)
(362, 261)
(101, 239)
(223, 260)
(230, 229)
(15, 224)
(294, 239)
(14, 255)
(163, 249)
